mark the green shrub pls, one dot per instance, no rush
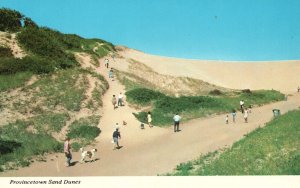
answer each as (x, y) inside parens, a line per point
(184, 168)
(42, 42)
(75, 146)
(215, 92)
(5, 52)
(84, 131)
(85, 128)
(143, 96)
(10, 20)
(35, 64)
(8, 146)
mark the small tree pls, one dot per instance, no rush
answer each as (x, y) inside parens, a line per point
(29, 23)
(10, 20)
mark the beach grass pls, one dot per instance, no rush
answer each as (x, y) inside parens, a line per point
(21, 144)
(12, 81)
(271, 150)
(49, 122)
(65, 88)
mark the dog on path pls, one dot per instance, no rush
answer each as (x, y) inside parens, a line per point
(90, 154)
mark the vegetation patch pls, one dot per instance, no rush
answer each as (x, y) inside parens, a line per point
(271, 150)
(84, 130)
(13, 81)
(50, 122)
(143, 96)
(25, 144)
(5, 52)
(164, 107)
(60, 89)
(65, 88)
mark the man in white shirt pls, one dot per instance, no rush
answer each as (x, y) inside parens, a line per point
(176, 119)
(242, 106)
(120, 100)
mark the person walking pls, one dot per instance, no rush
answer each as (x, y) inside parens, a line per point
(233, 113)
(226, 119)
(149, 119)
(106, 62)
(246, 115)
(176, 119)
(67, 150)
(116, 137)
(120, 99)
(110, 73)
(114, 101)
(242, 106)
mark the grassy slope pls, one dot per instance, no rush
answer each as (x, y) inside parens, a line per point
(59, 92)
(272, 150)
(50, 100)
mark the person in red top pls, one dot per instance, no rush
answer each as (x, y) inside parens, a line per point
(67, 150)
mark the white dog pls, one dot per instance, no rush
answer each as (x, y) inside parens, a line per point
(91, 154)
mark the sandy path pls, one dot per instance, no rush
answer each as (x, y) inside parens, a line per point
(156, 150)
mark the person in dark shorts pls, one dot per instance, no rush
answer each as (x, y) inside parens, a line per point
(176, 119)
(116, 137)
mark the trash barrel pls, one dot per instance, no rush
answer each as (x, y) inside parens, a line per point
(276, 112)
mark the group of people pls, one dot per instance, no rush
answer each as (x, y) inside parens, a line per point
(117, 102)
(176, 120)
(116, 134)
(245, 111)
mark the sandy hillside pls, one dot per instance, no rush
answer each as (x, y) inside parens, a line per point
(279, 75)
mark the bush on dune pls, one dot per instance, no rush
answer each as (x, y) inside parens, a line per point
(164, 107)
(143, 96)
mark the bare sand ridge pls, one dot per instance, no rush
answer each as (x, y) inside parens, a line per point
(278, 75)
(154, 150)
(10, 41)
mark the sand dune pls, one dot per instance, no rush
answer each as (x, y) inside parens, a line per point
(278, 75)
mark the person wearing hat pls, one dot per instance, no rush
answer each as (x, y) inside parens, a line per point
(116, 137)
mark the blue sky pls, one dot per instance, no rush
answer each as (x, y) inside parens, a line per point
(247, 30)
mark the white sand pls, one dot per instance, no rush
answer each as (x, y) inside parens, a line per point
(278, 75)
